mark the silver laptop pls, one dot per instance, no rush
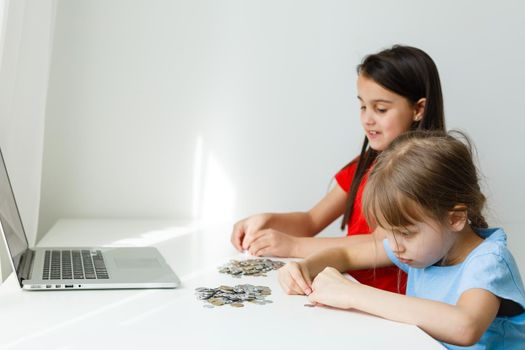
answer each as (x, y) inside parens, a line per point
(76, 267)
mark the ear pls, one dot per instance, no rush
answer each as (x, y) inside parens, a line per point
(458, 217)
(419, 109)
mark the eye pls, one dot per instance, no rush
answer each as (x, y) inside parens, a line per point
(363, 108)
(405, 233)
(381, 110)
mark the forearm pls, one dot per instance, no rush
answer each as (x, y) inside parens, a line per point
(333, 257)
(298, 224)
(306, 246)
(442, 321)
(350, 253)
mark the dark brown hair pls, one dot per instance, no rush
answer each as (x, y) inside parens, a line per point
(411, 73)
(424, 174)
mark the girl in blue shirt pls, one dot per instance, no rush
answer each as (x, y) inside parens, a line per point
(464, 287)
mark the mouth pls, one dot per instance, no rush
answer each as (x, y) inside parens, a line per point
(404, 261)
(372, 133)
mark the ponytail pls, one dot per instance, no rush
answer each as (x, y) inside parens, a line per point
(477, 220)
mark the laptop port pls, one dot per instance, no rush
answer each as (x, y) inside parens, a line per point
(49, 286)
(57, 286)
(68, 286)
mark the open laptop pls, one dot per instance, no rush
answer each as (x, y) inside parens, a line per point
(76, 267)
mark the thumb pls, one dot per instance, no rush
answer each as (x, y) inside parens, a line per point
(238, 236)
(312, 297)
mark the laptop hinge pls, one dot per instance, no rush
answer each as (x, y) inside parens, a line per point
(24, 269)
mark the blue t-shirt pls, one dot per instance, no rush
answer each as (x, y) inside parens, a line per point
(489, 266)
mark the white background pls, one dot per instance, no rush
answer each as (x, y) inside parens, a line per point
(219, 109)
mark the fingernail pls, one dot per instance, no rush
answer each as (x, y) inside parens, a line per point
(308, 291)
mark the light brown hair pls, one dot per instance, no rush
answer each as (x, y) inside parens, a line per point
(433, 170)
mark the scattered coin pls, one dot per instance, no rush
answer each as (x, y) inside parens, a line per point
(233, 296)
(250, 267)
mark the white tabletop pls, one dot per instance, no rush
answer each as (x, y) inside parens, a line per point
(173, 318)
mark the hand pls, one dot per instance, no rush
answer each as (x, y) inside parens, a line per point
(331, 288)
(270, 242)
(247, 228)
(294, 278)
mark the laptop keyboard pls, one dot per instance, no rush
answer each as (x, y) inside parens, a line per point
(74, 264)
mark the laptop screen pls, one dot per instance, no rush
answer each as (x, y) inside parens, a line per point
(10, 218)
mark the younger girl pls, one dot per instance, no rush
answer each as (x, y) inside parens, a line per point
(398, 90)
(464, 287)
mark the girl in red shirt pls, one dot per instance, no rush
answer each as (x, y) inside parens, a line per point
(398, 90)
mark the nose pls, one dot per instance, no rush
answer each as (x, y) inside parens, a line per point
(397, 247)
(367, 117)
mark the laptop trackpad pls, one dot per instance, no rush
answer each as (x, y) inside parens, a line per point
(137, 263)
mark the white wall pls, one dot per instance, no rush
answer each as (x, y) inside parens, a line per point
(24, 67)
(192, 109)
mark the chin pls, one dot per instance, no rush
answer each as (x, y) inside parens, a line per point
(376, 147)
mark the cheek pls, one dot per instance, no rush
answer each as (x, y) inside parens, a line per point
(392, 243)
(397, 123)
(432, 249)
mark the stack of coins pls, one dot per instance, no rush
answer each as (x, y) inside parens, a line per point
(233, 296)
(250, 267)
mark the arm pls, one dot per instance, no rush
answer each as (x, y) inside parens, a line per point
(291, 225)
(306, 246)
(461, 324)
(362, 255)
(289, 234)
(295, 277)
(310, 223)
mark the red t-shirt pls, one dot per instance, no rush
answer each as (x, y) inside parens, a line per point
(388, 278)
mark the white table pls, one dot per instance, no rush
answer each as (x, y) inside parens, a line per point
(133, 319)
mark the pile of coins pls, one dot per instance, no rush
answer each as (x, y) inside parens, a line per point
(250, 267)
(233, 296)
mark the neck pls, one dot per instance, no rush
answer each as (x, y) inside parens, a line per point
(466, 241)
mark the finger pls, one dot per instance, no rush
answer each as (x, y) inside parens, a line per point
(250, 237)
(306, 274)
(297, 275)
(265, 251)
(261, 246)
(287, 283)
(237, 236)
(315, 282)
(296, 289)
(314, 299)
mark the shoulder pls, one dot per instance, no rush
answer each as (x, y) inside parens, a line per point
(492, 252)
(345, 176)
(493, 247)
(492, 267)
(349, 168)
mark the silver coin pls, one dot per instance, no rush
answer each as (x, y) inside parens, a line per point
(238, 294)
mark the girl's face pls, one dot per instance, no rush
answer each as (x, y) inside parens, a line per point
(422, 244)
(384, 114)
